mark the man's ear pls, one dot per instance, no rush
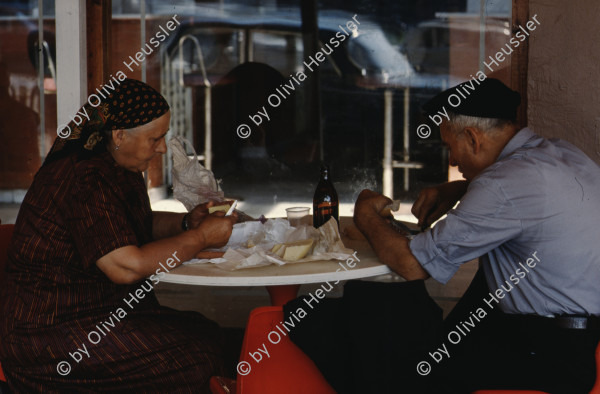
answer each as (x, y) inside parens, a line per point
(473, 139)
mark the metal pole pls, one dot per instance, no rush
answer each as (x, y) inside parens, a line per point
(143, 34)
(142, 41)
(207, 127)
(312, 100)
(406, 136)
(388, 171)
(207, 97)
(481, 33)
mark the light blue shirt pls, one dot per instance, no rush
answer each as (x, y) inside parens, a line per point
(540, 197)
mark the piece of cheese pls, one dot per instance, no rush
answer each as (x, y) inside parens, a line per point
(295, 251)
(278, 249)
(217, 208)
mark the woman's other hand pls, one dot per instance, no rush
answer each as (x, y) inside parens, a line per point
(205, 254)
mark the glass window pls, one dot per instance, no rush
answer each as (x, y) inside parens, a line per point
(253, 55)
(232, 63)
(27, 93)
(281, 50)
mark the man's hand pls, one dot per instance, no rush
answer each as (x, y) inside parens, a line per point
(216, 229)
(435, 202)
(390, 247)
(369, 202)
(367, 210)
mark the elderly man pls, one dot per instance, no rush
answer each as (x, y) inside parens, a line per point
(529, 209)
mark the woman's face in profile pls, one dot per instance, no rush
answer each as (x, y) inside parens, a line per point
(138, 146)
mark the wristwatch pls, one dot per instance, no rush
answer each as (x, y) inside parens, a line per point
(184, 222)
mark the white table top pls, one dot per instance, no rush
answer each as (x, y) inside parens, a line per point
(293, 273)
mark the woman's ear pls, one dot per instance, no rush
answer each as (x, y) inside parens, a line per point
(118, 136)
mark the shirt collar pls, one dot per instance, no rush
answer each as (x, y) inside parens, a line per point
(518, 140)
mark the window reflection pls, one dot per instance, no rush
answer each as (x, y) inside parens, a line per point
(409, 49)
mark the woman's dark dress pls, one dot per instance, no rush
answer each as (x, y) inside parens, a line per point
(74, 213)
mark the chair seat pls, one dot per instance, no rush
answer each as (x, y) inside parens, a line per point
(286, 369)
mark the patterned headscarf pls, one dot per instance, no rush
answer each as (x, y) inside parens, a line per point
(131, 104)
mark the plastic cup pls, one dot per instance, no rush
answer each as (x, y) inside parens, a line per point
(298, 216)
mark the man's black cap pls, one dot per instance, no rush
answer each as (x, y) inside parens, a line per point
(489, 98)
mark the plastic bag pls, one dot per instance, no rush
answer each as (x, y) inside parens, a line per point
(192, 183)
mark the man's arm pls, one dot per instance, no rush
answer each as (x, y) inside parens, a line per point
(391, 247)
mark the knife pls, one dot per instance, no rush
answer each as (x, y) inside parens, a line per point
(388, 212)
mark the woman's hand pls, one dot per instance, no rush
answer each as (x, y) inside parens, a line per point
(216, 229)
(435, 202)
(199, 213)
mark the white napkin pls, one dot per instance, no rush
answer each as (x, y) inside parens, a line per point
(262, 237)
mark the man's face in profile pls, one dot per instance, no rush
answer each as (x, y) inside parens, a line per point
(460, 151)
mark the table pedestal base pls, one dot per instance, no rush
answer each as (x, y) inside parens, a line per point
(281, 295)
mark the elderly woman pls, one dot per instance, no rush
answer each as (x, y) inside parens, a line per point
(77, 312)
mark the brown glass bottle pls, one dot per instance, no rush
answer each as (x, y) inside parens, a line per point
(325, 201)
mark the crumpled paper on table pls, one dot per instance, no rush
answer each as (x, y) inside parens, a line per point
(328, 244)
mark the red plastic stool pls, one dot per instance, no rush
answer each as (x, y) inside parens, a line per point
(286, 369)
(596, 388)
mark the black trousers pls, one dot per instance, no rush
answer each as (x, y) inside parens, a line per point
(508, 352)
(390, 338)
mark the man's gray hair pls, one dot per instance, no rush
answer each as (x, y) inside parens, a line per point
(458, 122)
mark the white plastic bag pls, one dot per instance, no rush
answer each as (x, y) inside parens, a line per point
(192, 183)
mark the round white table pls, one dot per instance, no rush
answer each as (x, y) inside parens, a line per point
(283, 282)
